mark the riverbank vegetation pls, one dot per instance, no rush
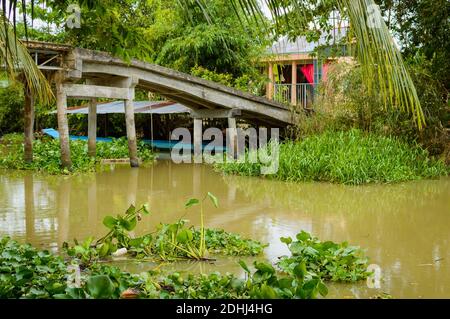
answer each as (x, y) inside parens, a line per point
(47, 154)
(351, 157)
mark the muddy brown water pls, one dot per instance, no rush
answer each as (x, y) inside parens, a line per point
(405, 228)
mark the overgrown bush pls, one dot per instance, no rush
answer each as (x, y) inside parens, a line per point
(351, 157)
(46, 154)
(344, 103)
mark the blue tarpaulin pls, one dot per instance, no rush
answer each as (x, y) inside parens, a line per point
(159, 144)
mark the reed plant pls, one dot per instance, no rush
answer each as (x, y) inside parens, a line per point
(351, 157)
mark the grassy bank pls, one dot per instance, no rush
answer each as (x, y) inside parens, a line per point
(351, 157)
(46, 153)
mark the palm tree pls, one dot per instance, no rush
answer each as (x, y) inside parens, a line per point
(375, 49)
(20, 66)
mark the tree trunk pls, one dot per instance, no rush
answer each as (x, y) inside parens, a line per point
(63, 126)
(28, 126)
(131, 133)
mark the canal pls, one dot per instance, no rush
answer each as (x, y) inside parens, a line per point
(403, 227)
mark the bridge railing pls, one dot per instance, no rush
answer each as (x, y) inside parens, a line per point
(282, 93)
(305, 93)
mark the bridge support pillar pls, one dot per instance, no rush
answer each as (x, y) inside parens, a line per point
(198, 140)
(131, 132)
(232, 137)
(92, 128)
(28, 125)
(63, 126)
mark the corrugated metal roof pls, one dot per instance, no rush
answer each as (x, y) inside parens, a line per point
(143, 107)
(300, 45)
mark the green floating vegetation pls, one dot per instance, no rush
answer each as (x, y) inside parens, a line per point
(46, 154)
(169, 242)
(350, 157)
(327, 260)
(26, 272)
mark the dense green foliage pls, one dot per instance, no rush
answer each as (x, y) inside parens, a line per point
(167, 32)
(263, 283)
(47, 154)
(344, 102)
(351, 157)
(422, 26)
(26, 272)
(169, 242)
(327, 260)
(11, 106)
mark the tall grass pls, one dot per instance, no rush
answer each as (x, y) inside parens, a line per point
(351, 157)
(46, 154)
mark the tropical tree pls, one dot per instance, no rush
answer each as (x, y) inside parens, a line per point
(423, 28)
(20, 66)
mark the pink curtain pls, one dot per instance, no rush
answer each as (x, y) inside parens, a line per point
(308, 71)
(325, 71)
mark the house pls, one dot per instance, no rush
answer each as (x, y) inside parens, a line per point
(294, 70)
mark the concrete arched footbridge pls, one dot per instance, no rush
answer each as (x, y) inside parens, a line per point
(87, 74)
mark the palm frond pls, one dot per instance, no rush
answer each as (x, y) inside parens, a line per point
(381, 60)
(15, 59)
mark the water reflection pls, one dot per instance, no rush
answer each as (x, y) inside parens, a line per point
(404, 227)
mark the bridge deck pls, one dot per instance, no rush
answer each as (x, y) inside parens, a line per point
(204, 96)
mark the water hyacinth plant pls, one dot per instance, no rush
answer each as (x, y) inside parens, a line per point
(169, 242)
(26, 272)
(326, 260)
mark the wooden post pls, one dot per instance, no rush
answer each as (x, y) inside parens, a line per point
(92, 128)
(198, 140)
(63, 126)
(28, 125)
(271, 81)
(232, 136)
(131, 132)
(294, 83)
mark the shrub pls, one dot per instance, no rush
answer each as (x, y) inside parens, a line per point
(46, 154)
(344, 103)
